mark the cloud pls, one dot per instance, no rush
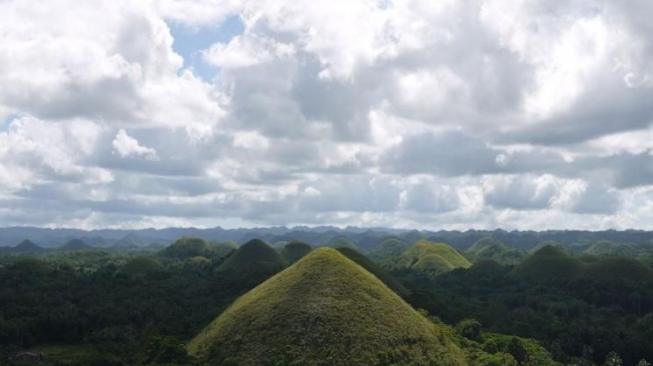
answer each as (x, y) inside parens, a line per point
(120, 70)
(402, 113)
(127, 146)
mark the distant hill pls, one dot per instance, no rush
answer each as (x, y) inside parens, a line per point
(609, 248)
(253, 256)
(374, 269)
(324, 310)
(341, 242)
(188, 247)
(75, 245)
(547, 243)
(26, 246)
(618, 270)
(388, 250)
(490, 248)
(549, 264)
(294, 251)
(432, 258)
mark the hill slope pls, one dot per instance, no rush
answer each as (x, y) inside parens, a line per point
(323, 310)
(432, 258)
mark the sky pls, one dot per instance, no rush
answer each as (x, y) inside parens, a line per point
(409, 114)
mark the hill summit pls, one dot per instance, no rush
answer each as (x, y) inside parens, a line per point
(253, 256)
(323, 310)
(26, 246)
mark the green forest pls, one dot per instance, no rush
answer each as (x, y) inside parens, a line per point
(397, 301)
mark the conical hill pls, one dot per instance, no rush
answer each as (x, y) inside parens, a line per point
(324, 310)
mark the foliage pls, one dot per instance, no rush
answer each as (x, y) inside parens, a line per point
(469, 328)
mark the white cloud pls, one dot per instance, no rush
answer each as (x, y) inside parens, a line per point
(246, 51)
(373, 112)
(127, 146)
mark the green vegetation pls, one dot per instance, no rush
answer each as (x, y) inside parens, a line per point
(490, 248)
(374, 269)
(388, 251)
(294, 251)
(580, 310)
(324, 310)
(587, 302)
(432, 258)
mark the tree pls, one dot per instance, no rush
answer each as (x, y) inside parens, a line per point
(613, 359)
(470, 329)
(517, 350)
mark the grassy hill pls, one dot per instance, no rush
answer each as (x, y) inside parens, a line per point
(490, 248)
(324, 310)
(294, 251)
(432, 258)
(253, 256)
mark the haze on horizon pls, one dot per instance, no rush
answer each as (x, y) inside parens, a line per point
(465, 114)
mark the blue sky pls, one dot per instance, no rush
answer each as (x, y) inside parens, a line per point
(190, 40)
